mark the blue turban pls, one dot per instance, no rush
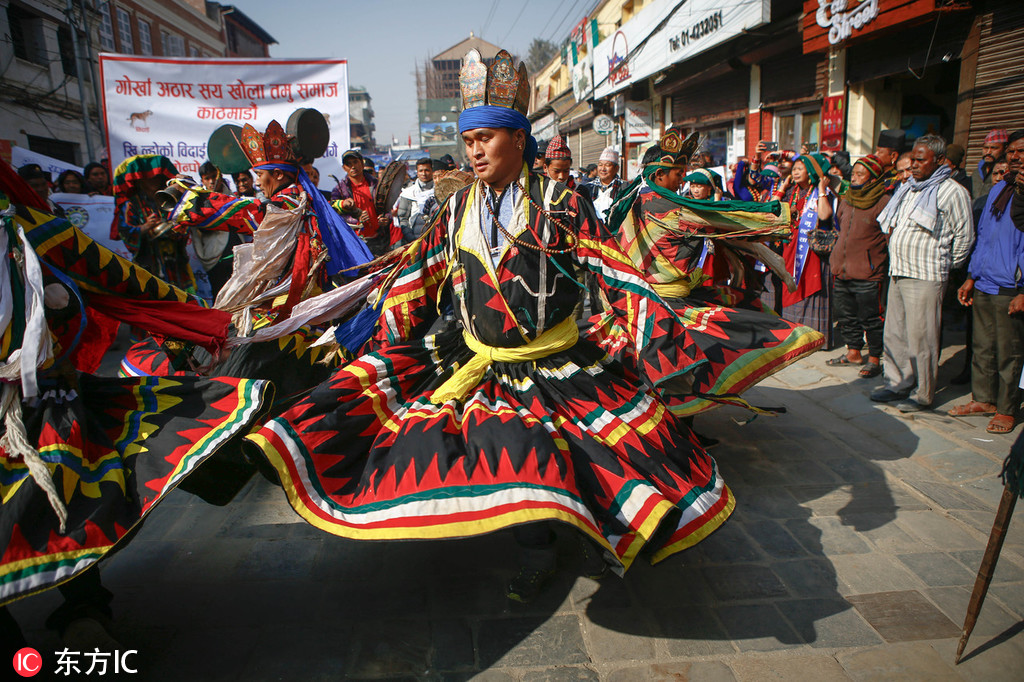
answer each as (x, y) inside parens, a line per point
(490, 116)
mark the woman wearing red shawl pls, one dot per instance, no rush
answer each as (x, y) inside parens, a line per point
(810, 202)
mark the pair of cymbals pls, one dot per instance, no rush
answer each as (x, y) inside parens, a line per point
(307, 130)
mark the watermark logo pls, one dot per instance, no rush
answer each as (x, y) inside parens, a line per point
(28, 662)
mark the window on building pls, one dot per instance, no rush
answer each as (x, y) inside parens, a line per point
(106, 27)
(193, 51)
(124, 31)
(796, 128)
(173, 46)
(58, 149)
(145, 37)
(67, 52)
(27, 35)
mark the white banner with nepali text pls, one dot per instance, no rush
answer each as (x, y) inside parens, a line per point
(170, 106)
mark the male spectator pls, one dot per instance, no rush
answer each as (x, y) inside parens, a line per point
(449, 162)
(928, 222)
(411, 216)
(902, 170)
(353, 197)
(211, 178)
(98, 178)
(538, 161)
(992, 148)
(841, 165)
(37, 179)
(955, 154)
(603, 190)
(995, 291)
(243, 184)
(889, 147)
(558, 162)
(590, 172)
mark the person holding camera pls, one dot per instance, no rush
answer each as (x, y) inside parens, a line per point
(806, 190)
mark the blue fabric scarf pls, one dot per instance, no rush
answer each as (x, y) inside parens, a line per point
(490, 116)
(345, 248)
(808, 222)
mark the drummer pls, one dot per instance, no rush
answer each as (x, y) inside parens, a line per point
(353, 197)
(287, 187)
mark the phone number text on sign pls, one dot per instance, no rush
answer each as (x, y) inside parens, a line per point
(702, 28)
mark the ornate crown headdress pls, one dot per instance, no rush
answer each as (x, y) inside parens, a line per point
(501, 85)
(673, 150)
(272, 146)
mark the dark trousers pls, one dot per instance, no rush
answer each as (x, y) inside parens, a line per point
(536, 545)
(858, 311)
(998, 352)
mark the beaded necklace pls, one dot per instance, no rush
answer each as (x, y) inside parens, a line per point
(567, 231)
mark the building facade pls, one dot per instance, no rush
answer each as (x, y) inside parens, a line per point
(44, 105)
(812, 73)
(361, 125)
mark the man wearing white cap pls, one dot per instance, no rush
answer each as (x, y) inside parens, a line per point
(605, 187)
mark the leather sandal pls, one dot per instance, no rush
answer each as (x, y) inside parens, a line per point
(972, 408)
(1001, 423)
(870, 370)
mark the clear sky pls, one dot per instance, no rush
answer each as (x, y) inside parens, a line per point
(383, 39)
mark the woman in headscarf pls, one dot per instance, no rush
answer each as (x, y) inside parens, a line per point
(860, 262)
(807, 192)
(142, 224)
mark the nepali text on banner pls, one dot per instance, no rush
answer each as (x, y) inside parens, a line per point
(170, 106)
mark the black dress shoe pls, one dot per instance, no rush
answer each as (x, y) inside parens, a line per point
(884, 395)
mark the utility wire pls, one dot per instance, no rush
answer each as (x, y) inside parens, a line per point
(509, 32)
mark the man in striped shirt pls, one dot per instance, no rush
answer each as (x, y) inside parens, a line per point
(930, 232)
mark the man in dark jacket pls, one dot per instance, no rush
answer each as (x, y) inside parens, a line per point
(860, 262)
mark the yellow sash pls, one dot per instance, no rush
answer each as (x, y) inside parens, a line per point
(680, 288)
(562, 336)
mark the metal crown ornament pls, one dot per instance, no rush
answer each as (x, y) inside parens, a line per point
(502, 85)
(273, 146)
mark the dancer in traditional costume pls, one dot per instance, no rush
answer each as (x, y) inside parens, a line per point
(84, 459)
(141, 223)
(298, 244)
(698, 256)
(517, 418)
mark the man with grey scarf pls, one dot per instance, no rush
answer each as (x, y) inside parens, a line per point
(930, 231)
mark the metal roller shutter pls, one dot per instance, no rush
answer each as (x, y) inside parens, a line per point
(891, 55)
(593, 144)
(791, 76)
(999, 83)
(723, 98)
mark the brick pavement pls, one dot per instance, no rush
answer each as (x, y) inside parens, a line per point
(851, 556)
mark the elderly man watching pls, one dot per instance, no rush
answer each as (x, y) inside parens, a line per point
(930, 232)
(604, 188)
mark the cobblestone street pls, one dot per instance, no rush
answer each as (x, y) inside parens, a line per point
(851, 555)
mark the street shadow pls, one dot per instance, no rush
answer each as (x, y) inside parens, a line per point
(249, 591)
(810, 493)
